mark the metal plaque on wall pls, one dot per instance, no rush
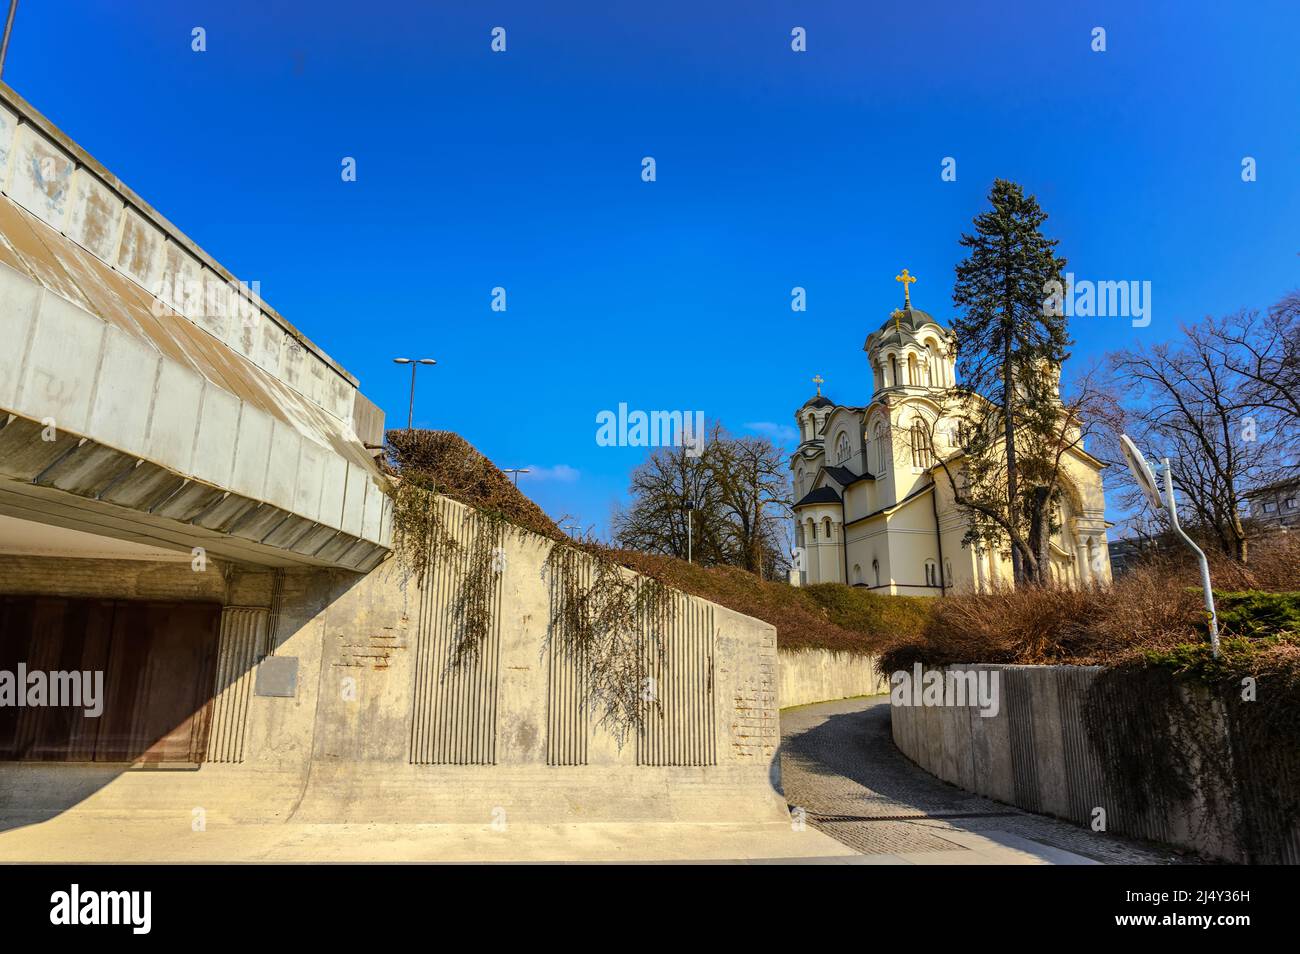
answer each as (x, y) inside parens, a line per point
(277, 676)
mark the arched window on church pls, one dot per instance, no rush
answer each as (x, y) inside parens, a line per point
(893, 370)
(842, 449)
(931, 367)
(913, 370)
(931, 573)
(857, 574)
(875, 569)
(826, 526)
(921, 456)
(882, 456)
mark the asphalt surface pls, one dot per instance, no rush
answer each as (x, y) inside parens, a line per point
(843, 775)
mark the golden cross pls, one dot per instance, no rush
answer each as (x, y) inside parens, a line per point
(906, 279)
(819, 381)
(896, 314)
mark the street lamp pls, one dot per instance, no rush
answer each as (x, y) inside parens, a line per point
(516, 471)
(1146, 480)
(9, 25)
(690, 523)
(414, 363)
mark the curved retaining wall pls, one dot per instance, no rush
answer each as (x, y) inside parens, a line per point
(819, 675)
(1035, 753)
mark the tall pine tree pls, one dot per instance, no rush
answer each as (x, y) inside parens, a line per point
(1010, 344)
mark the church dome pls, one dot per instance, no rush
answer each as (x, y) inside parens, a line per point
(904, 322)
(818, 400)
(910, 318)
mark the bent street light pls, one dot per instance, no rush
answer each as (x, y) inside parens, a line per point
(414, 363)
(1146, 479)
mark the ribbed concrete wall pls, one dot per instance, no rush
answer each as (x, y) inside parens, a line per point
(243, 639)
(1036, 753)
(819, 675)
(381, 730)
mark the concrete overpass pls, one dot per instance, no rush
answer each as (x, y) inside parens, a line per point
(147, 397)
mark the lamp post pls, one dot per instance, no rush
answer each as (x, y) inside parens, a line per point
(9, 25)
(516, 471)
(1146, 480)
(690, 525)
(1212, 617)
(414, 363)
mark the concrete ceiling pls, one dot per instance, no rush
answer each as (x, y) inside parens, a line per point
(28, 538)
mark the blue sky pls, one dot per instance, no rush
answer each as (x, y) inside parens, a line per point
(775, 169)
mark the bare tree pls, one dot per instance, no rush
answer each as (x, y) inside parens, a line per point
(755, 493)
(1264, 350)
(664, 488)
(740, 493)
(1189, 400)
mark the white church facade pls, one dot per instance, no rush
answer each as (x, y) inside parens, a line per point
(873, 508)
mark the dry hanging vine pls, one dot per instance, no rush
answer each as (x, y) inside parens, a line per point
(609, 620)
(605, 618)
(426, 543)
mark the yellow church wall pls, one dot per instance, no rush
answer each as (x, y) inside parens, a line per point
(913, 541)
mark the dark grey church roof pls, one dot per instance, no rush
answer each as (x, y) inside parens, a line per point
(844, 477)
(909, 318)
(909, 321)
(820, 495)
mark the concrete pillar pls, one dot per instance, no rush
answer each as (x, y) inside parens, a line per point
(834, 554)
(1085, 570)
(841, 551)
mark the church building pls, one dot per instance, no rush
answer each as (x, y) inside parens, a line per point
(873, 508)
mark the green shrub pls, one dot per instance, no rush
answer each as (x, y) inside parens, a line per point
(870, 613)
(1254, 613)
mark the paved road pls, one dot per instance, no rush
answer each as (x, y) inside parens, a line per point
(839, 764)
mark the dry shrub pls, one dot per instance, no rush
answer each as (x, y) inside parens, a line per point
(1274, 563)
(824, 616)
(1155, 606)
(1040, 625)
(446, 463)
